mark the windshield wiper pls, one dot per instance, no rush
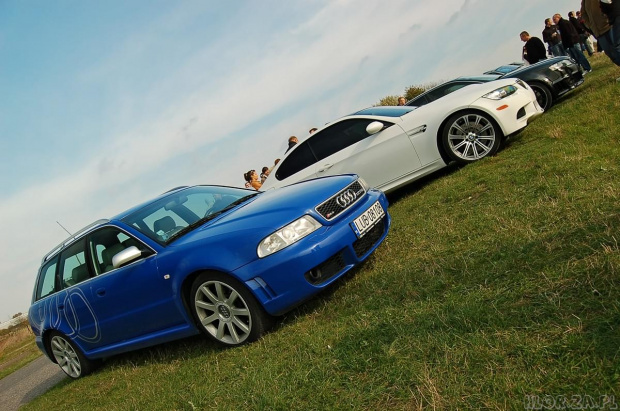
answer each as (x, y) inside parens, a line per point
(203, 220)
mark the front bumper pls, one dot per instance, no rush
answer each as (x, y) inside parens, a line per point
(287, 278)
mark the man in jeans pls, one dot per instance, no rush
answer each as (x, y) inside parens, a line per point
(570, 40)
(552, 38)
(603, 18)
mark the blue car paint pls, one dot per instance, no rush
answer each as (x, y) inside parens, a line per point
(140, 304)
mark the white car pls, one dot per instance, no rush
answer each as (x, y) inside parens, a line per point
(392, 146)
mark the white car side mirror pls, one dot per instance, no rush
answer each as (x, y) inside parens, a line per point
(374, 127)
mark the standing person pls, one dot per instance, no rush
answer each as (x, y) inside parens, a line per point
(534, 49)
(292, 140)
(570, 41)
(401, 101)
(264, 174)
(551, 36)
(583, 34)
(603, 19)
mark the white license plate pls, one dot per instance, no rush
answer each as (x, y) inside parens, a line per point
(368, 219)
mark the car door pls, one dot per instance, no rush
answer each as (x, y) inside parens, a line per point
(132, 300)
(346, 147)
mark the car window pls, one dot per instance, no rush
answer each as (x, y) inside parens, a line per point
(176, 211)
(47, 280)
(418, 101)
(299, 159)
(444, 90)
(73, 268)
(106, 243)
(338, 137)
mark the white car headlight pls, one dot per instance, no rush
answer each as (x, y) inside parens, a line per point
(501, 93)
(364, 184)
(287, 235)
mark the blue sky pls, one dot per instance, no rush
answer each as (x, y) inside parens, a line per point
(109, 103)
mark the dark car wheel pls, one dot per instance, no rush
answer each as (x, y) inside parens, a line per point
(69, 357)
(226, 311)
(543, 96)
(471, 136)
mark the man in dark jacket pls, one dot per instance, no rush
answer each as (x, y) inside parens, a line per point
(534, 49)
(583, 34)
(603, 19)
(551, 36)
(570, 41)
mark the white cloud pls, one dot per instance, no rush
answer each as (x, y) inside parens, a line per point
(230, 104)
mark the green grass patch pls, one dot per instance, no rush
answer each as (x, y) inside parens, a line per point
(17, 348)
(498, 280)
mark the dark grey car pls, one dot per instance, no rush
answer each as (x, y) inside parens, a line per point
(550, 79)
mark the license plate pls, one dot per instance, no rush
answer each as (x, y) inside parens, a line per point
(368, 219)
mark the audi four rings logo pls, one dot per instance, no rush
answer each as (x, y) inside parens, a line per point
(346, 198)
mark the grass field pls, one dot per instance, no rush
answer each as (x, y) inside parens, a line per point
(17, 348)
(499, 283)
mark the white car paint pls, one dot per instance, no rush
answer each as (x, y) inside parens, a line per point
(408, 149)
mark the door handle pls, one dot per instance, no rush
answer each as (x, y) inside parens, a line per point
(325, 167)
(101, 292)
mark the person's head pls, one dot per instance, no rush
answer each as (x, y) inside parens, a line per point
(556, 18)
(312, 130)
(293, 139)
(401, 101)
(265, 171)
(525, 36)
(548, 22)
(578, 13)
(251, 175)
(571, 14)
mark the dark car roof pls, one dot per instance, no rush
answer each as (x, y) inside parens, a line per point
(482, 78)
(536, 66)
(385, 111)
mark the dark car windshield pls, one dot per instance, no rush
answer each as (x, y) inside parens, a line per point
(172, 216)
(385, 111)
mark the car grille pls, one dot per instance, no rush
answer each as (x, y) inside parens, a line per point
(327, 269)
(362, 245)
(341, 201)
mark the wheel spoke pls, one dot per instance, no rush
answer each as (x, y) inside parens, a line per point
(485, 128)
(207, 292)
(241, 325)
(233, 332)
(231, 299)
(459, 145)
(220, 292)
(204, 305)
(220, 330)
(458, 128)
(210, 319)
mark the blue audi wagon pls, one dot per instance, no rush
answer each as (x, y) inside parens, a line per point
(216, 260)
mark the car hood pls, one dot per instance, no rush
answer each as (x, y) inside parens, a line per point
(266, 213)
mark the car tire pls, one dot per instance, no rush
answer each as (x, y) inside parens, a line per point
(470, 136)
(226, 311)
(69, 357)
(543, 96)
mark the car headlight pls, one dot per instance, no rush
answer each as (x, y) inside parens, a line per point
(559, 65)
(500, 93)
(364, 184)
(287, 235)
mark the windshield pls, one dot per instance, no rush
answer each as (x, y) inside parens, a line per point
(176, 214)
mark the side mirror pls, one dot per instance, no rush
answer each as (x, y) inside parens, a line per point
(374, 127)
(128, 255)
